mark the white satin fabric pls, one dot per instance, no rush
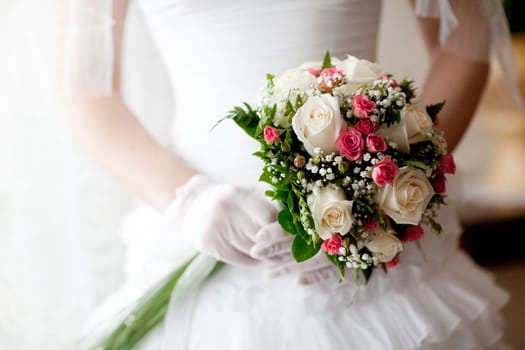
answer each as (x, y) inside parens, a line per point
(217, 54)
(464, 26)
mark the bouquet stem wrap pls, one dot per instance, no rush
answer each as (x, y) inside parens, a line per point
(173, 292)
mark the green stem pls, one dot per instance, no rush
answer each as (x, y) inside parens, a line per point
(149, 310)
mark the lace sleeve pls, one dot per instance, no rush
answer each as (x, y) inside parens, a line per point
(477, 30)
(87, 48)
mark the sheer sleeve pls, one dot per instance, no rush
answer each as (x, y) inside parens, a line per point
(87, 68)
(477, 30)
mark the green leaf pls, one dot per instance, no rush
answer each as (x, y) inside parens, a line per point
(392, 116)
(302, 251)
(285, 219)
(437, 199)
(341, 266)
(269, 78)
(367, 273)
(407, 88)
(416, 164)
(298, 102)
(327, 61)
(434, 109)
(245, 117)
(289, 109)
(266, 177)
(290, 201)
(379, 218)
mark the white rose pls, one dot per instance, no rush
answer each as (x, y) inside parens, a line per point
(406, 199)
(385, 245)
(415, 126)
(318, 123)
(330, 210)
(287, 86)
(358, 72)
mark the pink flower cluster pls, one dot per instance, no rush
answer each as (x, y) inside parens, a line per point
(351, 142)
(446, 166)
(333, 244)
(328, 78)
(362, 106)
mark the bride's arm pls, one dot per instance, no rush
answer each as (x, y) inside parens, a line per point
(110, 131)
(454, 78)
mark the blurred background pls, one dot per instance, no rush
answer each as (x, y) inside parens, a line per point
(60, 252)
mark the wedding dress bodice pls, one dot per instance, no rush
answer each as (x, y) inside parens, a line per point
(217, 55)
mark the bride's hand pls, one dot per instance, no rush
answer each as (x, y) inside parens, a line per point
(274, 244)
(222, 220)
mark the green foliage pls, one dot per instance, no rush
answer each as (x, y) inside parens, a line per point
(266, 177)
(416, 164)
(246, 118)
(434, 225)
(302, 251)
(437, 199)
(367, 273)
(392, 116)
(286, 221)
(269, 79)
(407, 87)
(341, 266)
(327, 61)
(434, 109)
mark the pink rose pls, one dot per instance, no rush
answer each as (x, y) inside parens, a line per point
(271, 134)
(350, 144)
(362, 105)
(412, 233)
(392, 263)
(332, 244)
(370, 224)
(385, 172)
(329, 79)
(375, 143)
(365, 126)
(447, 164)
(439, 184)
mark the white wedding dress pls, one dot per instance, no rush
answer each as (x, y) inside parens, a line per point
(217, 54)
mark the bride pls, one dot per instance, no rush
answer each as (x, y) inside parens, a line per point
(201, 192)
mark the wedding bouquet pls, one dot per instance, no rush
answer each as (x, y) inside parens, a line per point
(353, 158)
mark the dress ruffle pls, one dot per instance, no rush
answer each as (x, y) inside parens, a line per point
(436, 298)
(455, 307)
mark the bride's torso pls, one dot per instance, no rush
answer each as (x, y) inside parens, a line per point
(217, 55)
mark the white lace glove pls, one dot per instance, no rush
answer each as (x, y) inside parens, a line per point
(271, 241)
(315, 270)
(239, 227)
(224, 220)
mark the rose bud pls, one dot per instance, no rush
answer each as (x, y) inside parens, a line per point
(299, 161)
